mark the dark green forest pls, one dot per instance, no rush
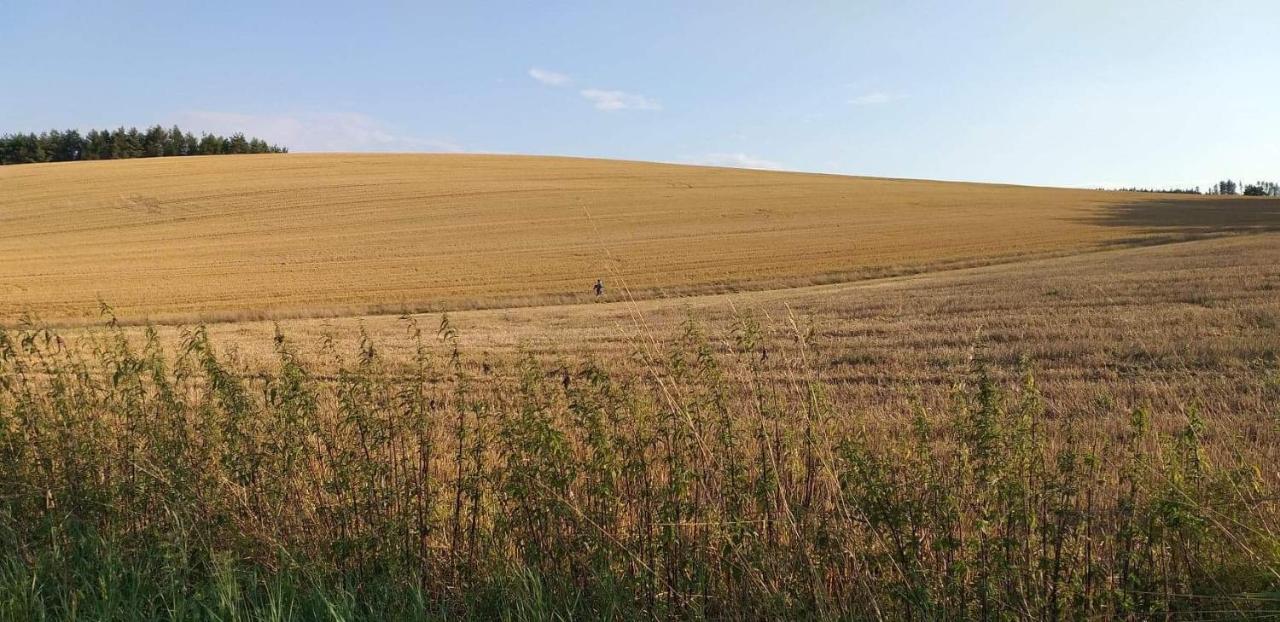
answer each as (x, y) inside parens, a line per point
(121, 143)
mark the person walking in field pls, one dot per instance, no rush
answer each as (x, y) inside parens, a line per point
(599, 287)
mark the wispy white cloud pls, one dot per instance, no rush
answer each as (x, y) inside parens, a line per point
(341, 131)
(602, 99)
(618, 100)
(549, 78)
(734, 160)
(874, 98)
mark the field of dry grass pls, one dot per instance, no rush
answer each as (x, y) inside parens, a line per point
(1167, 327)
(315, 235)
(930, 400)
(1091, 436)
(1171, 323)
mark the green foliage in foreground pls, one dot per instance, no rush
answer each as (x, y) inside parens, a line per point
(716, 483)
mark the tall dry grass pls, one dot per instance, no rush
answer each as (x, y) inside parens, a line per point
(717, 482)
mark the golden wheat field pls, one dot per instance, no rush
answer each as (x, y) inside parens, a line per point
(1150, 322)
(861, 398)
(1169, 327)
(200, 239)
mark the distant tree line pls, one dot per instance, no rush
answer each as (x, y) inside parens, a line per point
(1262, 189)
(1256, 189)
(1195, 190)
(121, 143)
(1225, 187)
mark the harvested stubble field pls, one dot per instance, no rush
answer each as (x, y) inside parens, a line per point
(1084, 427)
(1179, 325)
(315, 235)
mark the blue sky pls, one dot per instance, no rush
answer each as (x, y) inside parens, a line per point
(1073, 92)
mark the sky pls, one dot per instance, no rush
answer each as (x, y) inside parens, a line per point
(1083, 93)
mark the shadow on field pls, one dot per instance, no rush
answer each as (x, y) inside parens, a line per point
(1194, 216)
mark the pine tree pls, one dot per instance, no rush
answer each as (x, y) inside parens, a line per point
(156, 141)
